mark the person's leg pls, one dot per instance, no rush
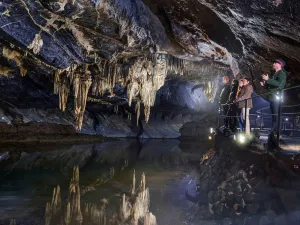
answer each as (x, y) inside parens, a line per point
(240, 119)
(243, 118)
(225, 113)
(274, 106)
(235, 117)
(247, 121)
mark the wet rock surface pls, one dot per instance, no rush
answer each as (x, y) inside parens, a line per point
(241, 187)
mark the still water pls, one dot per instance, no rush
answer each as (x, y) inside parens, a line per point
(30, 173)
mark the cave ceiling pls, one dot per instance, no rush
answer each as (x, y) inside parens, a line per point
(88, 47)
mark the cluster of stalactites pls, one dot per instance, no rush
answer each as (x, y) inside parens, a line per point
(107, 75)
(146, 76)
(143, 76)
(81, 82)
(15, 56)
(176, 65)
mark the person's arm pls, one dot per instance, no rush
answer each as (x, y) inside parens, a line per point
(246, 94)
(278, 83)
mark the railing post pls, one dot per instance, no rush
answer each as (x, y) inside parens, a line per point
(261, 118)
(219, 114)
(279, 115)
(293, 131)
(246, 114)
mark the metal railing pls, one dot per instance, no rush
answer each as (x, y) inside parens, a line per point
(263, 115)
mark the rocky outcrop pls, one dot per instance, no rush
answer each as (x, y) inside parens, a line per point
(120, 53)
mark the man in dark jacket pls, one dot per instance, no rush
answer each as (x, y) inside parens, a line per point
(275, 86)
(224, 98)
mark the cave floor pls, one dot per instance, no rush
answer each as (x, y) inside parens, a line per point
(288, 143)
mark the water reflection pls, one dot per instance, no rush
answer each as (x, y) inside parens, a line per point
(31, 173)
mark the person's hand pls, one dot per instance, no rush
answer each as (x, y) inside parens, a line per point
(262, 83)
(265, 77)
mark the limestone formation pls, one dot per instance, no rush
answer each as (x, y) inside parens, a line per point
(134, 208)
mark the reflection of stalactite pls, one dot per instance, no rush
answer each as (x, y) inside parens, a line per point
(74, 198)
(133, 210)
(133, 184)
(53, 208)
(12, 222)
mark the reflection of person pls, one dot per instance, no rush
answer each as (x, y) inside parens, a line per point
(232, 111)
(224, 98)
(275, 86)
(246, 93)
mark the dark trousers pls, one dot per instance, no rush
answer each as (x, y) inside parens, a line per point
(274, 106)
(232, 116)
(226, 119)
(240, 119)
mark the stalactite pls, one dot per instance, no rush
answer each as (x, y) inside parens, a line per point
(15, 56)
(138, 111)
(36, 44)
(63, 94)
(81, 87)
(23, 71)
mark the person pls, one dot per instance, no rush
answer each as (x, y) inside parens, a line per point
(239, 110)
(245, 93)
(224, 98)
(275, 86)
(232, 107)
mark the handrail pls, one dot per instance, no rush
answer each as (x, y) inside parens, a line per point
(259, 95)
(278, 114)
